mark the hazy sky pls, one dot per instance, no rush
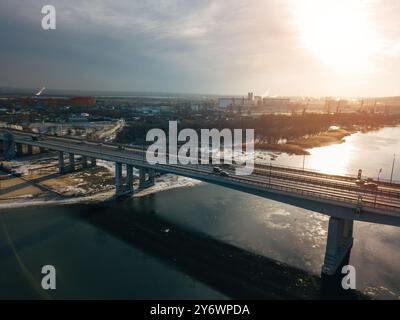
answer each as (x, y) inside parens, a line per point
(280, 47)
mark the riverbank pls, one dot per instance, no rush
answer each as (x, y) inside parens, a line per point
(299, 146)
(38, 183)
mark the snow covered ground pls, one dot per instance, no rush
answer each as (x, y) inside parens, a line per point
(83, 189)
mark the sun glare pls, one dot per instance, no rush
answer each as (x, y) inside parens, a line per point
(339, 33)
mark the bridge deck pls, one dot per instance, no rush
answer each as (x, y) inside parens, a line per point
(329, 194)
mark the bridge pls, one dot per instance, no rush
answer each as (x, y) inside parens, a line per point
(337, 196)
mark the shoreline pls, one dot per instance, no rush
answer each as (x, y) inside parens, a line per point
(300, 146)
(164, 183)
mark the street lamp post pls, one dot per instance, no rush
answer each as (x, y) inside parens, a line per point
(394, 161)
(270, 173)
(377, 188)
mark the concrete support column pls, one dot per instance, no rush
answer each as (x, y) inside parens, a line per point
(129, 175)
(84, 162)
(118, 178)
(151, 177)
(61, 166)
(145, 182)
(8, 146)
(20, 150)
(4, 146)
(142, 178)
(10, 152)
(72, 161)
(338, 246)
(93, 162)
(120, 188)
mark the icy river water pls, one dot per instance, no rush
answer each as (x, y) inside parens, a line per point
(92, 263)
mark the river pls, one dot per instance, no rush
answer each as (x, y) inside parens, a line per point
(93, 263)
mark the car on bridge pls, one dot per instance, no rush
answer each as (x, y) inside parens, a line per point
(360, 182)
(217, 170)
(221, 172)
(370, 186)
(224, 174)
(367, 184)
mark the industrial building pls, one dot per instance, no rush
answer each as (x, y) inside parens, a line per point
(57, 102)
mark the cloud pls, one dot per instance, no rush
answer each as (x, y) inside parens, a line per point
(227, 46)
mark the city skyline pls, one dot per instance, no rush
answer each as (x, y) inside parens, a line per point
(284, 48)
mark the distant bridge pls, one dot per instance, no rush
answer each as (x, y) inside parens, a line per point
(336, 196)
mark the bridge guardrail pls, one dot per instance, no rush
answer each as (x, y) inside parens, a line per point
(367, 203)
(387, 193)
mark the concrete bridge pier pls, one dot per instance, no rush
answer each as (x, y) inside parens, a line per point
(84, 162)
(71, 162)
(118, 178)
(61, 164)
(152, 174)
(62, 169)
(93, 162)
(129, 174)
(142, 177)
(23, 149)
(337, 255)
(9, 149)
(146, 178)
(120, 188)
(339, 244)
(20, 149)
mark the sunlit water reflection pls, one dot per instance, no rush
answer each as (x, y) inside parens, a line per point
(367, 151)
